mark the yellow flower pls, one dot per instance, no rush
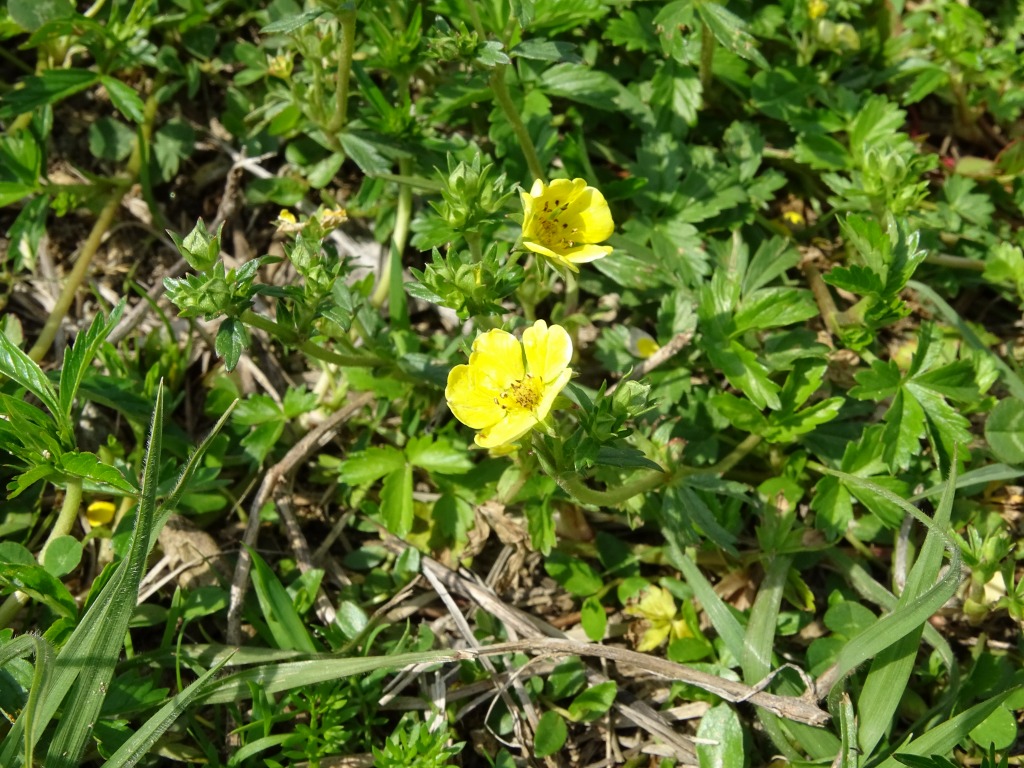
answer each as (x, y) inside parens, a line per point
(817, 8)
(508, 387)
(658, 608)
(565, 220)
(100, 513)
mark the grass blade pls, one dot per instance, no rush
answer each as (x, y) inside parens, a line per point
(942, 738)
(917, 609)
(133, 750)
(284, 622)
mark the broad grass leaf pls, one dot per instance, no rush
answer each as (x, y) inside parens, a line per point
(944, 737)
(721, 739)
(286, 626)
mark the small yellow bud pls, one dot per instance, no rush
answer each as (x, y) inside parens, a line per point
(332, 218)
(287, 223)
(816, 8)
(794, 218)
(100, 513)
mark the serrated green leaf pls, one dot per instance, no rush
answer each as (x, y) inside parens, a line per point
(47, 88)
(546, 50)
(577, 82)
(437, 456)
(774, 308)
(125, 99)
(372, 464)
(731, 31)
(16, 365)
(90, 467)
(291, 23)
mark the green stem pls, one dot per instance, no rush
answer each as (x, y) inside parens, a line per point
(501, 95)
(62, 527)
(707, 58)
(572, 292)
(474, 18)
(738, 453)
(643, 483)
(314, 350)
(346, 47)
(92, 244)
(954, 262)
(829, 313)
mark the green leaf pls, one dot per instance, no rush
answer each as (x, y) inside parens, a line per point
(48, 88)
(593, 702)
(437, 456)
(821, 153)
(13, 191)
(232, 340)
(16, 365)
(86, 662)
(110, 139)
(396, 501)
(62, 555)
(372, 464)
(292, 22)
(141, 741)
(998, 729)
(575, 575)
(125, 99)
(1004, 431)
(32, 14)
(882, 380)
(35, 581)
(594, 619)
(546, 50)
(745, 372)
(550, 735)
(90, 467)
(624, 456)
(731, 32)
(774, 308)
(285, 624)
(720, 739)
(578, 82)
(948, 734)
(83, 352)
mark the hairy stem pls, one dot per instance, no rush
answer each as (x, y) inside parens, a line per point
(643, 483)
(314, 350)
(501, 95)
(346, 47)
(707, 57)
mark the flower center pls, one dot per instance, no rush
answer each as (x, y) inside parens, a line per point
(524, 394)
(551, 232)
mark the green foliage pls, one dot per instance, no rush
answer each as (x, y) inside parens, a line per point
(805, 337)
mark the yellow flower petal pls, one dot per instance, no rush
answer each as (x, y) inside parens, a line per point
(508, 430)
(498, 356)
(100, 513)
(548, 350)
(472, 398)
